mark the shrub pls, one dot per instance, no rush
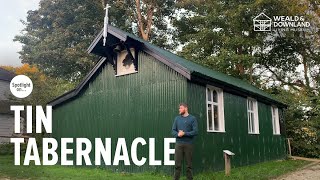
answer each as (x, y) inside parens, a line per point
(8, 149)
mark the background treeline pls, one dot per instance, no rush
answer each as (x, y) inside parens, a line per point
(215, 33)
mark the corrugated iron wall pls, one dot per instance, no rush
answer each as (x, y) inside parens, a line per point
(143, 104)
(248, 148)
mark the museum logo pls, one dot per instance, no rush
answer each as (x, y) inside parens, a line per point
(264, 23)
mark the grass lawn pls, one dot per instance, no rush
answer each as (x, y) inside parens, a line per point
(265, 170)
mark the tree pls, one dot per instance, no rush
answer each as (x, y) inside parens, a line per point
(58, 33)
(147, 19)
(290, 50)
(56, 36)
(45, 88)
(220, 34)
(301, 123)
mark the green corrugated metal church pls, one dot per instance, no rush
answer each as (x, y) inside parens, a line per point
(134, 91)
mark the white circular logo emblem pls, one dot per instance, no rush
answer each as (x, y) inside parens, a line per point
(21, 86)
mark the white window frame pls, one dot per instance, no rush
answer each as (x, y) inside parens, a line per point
(275, 120)
(220, 105)
(255, 113)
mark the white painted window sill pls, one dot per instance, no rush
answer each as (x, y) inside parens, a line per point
(126, 74)
(253, 133)
(211, 131)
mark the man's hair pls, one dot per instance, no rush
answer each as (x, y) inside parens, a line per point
(184, 104)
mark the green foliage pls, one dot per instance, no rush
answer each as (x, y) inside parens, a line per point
(8, 148)
(266, 170)
(45, 91)
(123, 14)
(220, 35)
(9, 170)
(302, 124)
(306, 137)
(215, 33)
(45, 88)
(57, 35)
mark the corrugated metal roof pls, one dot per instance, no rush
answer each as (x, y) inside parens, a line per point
(181, 65)
(196, 68)
(6, 75)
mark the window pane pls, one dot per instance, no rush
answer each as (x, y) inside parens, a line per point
(277, 120)
(249, 105)
(215, 96)
(273, 120)
(274, 127)
(249, 122)
(216, 118)
(273, 113)
(209, 94)
(252, 123)
(253, 105)
(274, 124)
(210, 117)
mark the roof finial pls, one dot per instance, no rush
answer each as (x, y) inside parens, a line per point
(105, 29)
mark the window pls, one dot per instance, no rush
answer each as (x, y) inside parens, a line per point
(215, 112)
(253, 121)
(275, 120)
(125, 62)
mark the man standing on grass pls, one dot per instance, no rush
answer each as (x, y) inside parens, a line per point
(184, 128)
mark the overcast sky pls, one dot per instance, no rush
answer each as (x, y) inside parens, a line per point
(11, 12)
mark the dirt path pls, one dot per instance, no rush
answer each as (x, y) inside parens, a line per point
(309, 172)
